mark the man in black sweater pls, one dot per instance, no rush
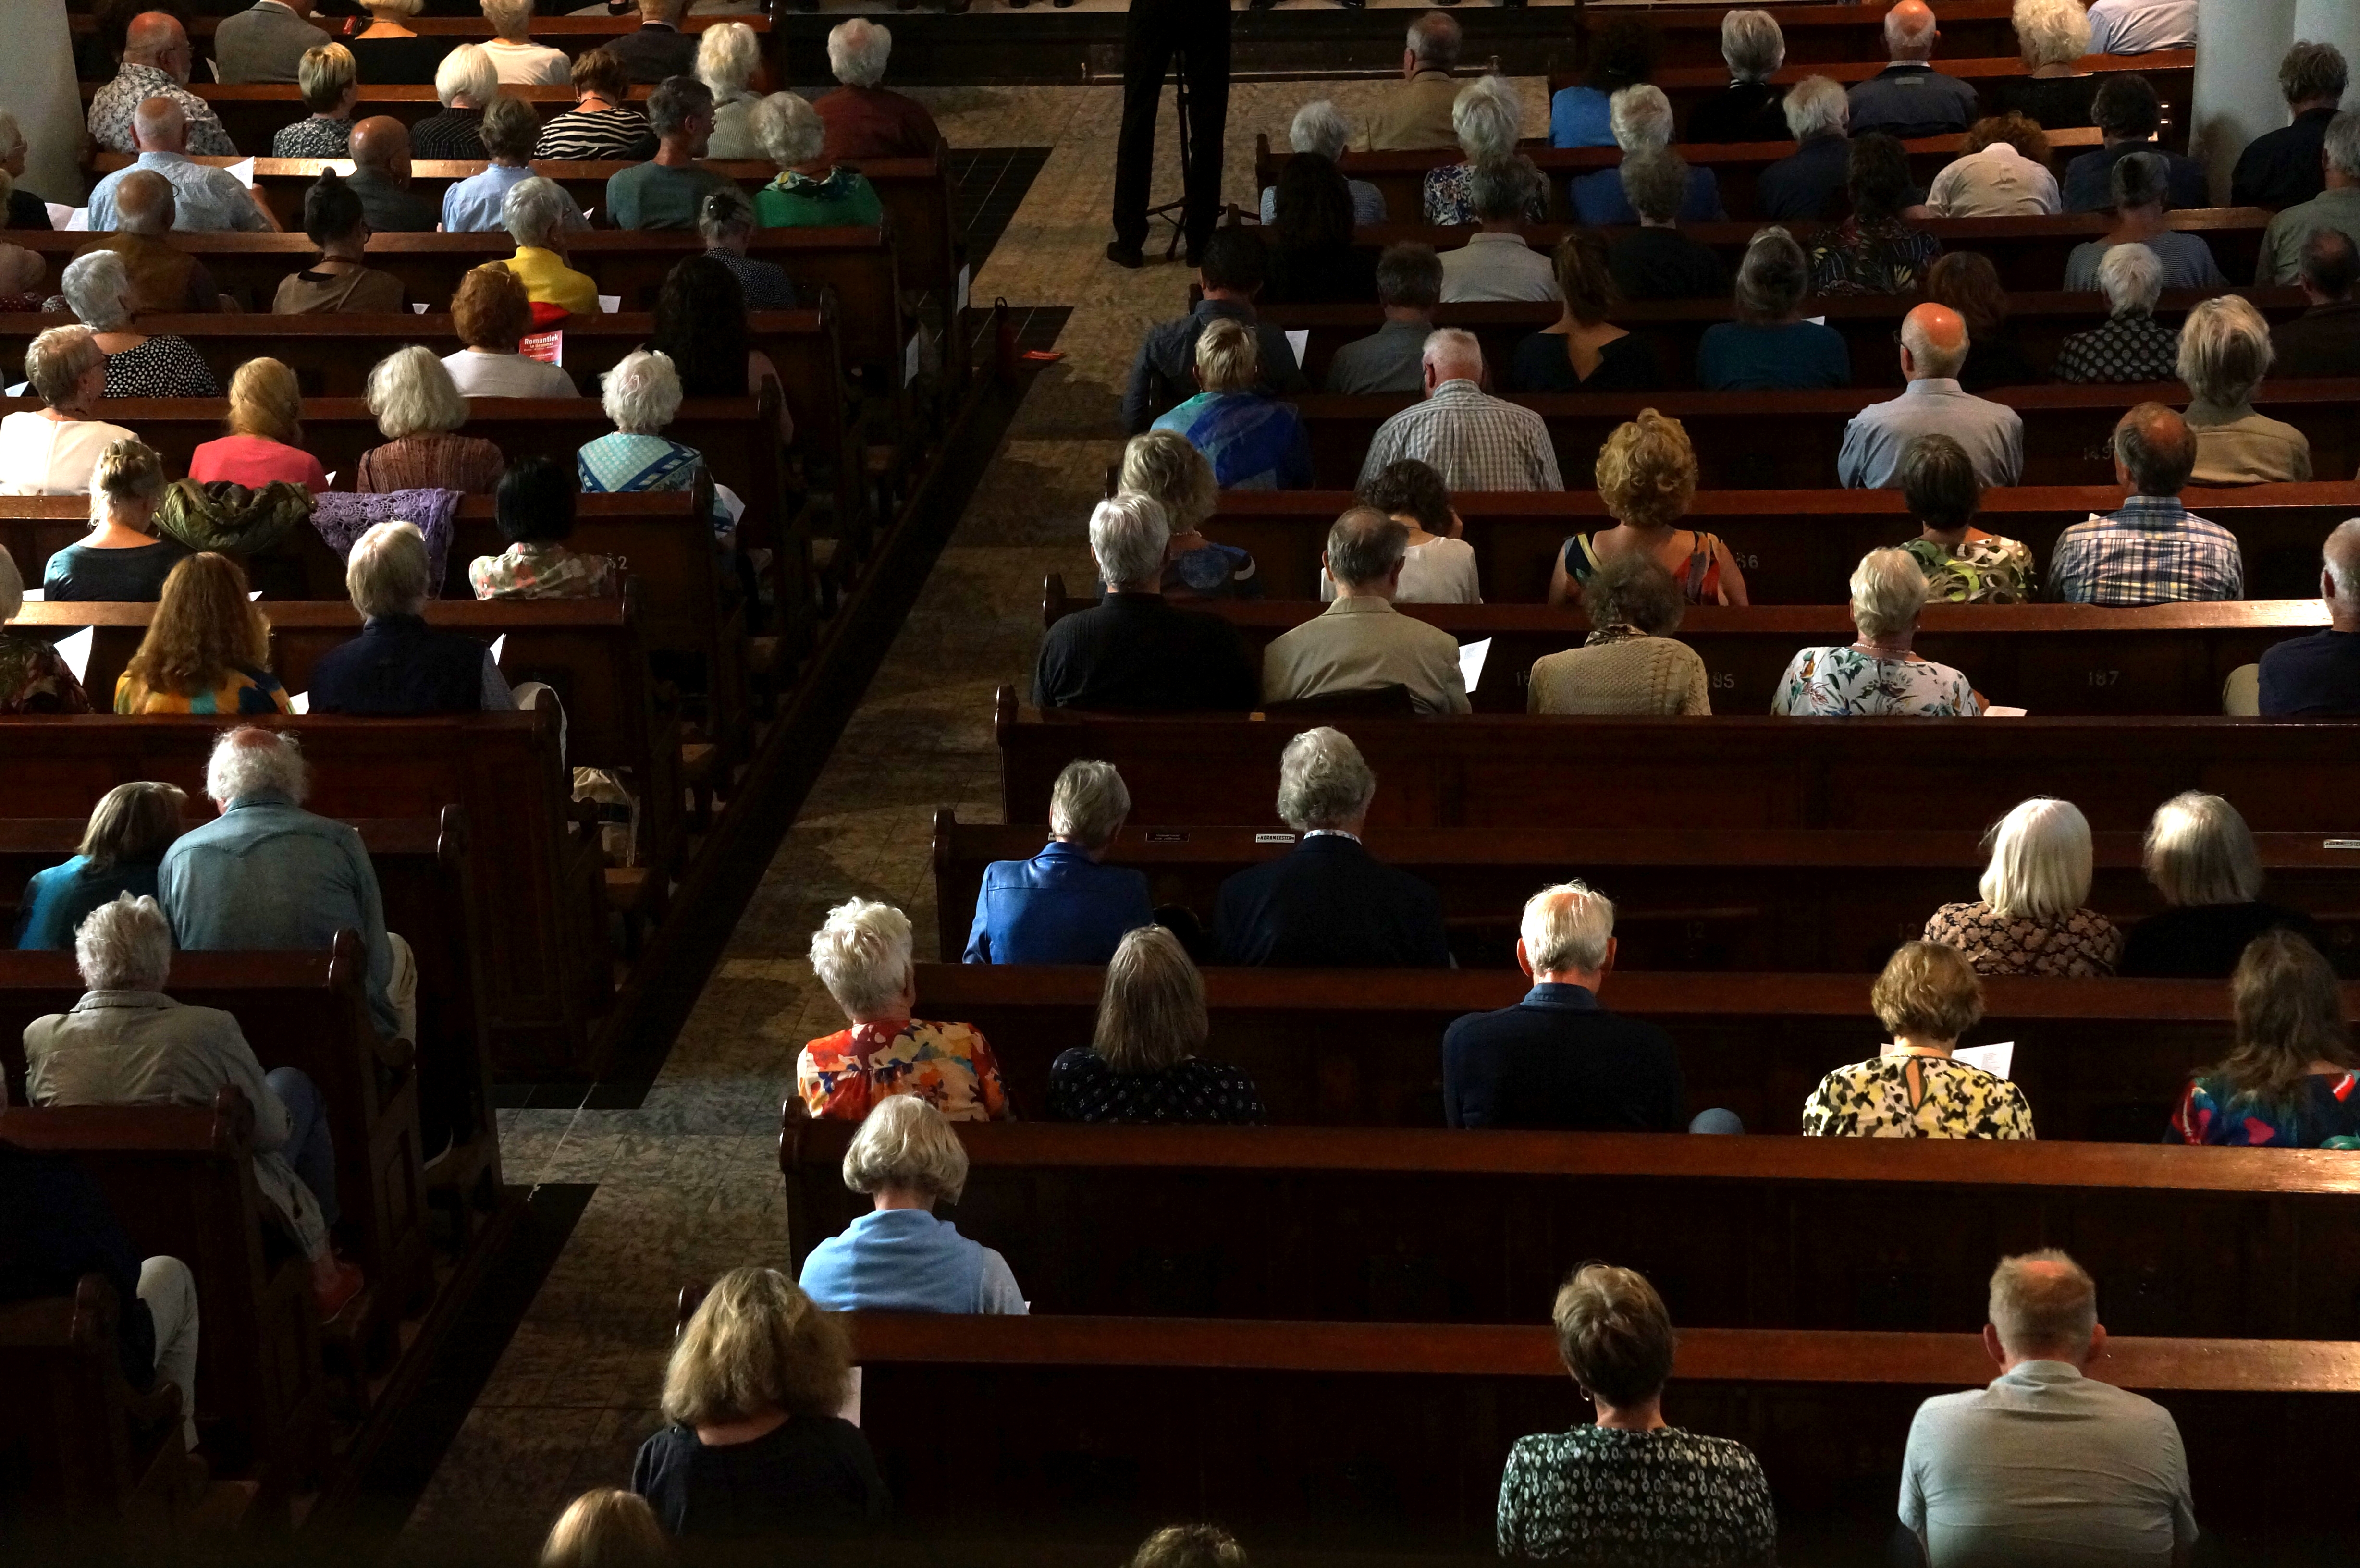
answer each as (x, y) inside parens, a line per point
(1132, 652)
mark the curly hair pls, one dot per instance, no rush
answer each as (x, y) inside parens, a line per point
(758, 1344)
(1647, 472)
(203, 627)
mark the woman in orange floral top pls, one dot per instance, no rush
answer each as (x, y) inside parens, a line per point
(2031, 919)
(862, 956)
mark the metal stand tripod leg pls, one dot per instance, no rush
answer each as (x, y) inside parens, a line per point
(1177, 212)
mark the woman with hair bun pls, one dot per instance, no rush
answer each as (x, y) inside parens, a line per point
(339, 280)
(265, 444)
(1646, 477)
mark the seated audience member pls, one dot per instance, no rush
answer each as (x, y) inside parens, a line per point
(2139, 191)
(121, 561)
(419, 411)
(1770, 347)
(1628, 1486)
(53, 451)
(1622, 54)
(1409, 286)
(397, 665)
(331, 87)
(1909, 97)
(1876, 675)
(814, 189)
(2323, 341)
(606, 1528)
(1438, 568)
(2046, 1462)
(1875, 250)
(1583, 352)
(727, 222)
(1495, 265)
(1062, 906)
(33, 678)
(2128, 113)
(1655, 261)
(658, 49)
(138, 365)
(266, 434)
(1164, 466)
(603, 125)
(2289, 1081)
(22, 288)
(1320, 127)
(755, 1450)
(466, 82)
(1749, 109)
(1132, 652)
(341, 279)
(206, 198)
(2051, 35)
(1229, 273)
(1416, 114)
(1360, 642)
(1808, 184)
(207, 649)
(516, 59)
(2225, 351)
(864, 120)
(642, 395)
(164, 279)
(2004, 173)
(2142, 27)
(1647, 476)
(1193, 1545)
(666, 192)
(2319, 676)
(2133, 345)
(1313, 260)
(534, 509)
(1630, 664)
(1966, 282)
(156, 63)
(1934, 346)
(2033, 917)
(1141, 1066)
(1963, 565)
(380, 178)
(1643, 123)
(2200, 857)
(1253, 442)
(491, 313)
(2283, 167)
(1472, 439)
(129, 830)
(537, 213)
(127, 1043)
(478, 204)
(2153, 550)
(264, 43)
(899, 1257)
(389, 51)
(1487, 117)
(1328, 903)
(861, 953)
(2337, 206)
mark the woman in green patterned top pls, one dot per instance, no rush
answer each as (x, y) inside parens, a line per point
(810, 192)
(1928, 996)
(1963, 565)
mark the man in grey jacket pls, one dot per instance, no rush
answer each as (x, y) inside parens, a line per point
(266, 43)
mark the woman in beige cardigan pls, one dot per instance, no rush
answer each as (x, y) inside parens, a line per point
(1630, 663)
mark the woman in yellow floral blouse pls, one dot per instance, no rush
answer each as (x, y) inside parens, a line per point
(2031, 919)
(862, 955)
(1928, 997)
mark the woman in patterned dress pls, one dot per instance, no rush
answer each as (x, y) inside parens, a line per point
(642, 394)
(329, 80)
(1963, 565)
(1143, 1065)
(862, 955)
(2292, 1079)
(1876, 675)
(98, 289)
(1630, 1490)
(1646, 477)
(1876, 250)
(2030, 918)
(1488, 117)
(1928, 996)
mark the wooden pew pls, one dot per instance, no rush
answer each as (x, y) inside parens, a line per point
(1690, 35)
(572, 34)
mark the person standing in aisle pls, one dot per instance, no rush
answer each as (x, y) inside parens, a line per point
(1154, 31)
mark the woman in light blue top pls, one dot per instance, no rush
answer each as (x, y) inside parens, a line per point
(1253, 442)
(899, 1257)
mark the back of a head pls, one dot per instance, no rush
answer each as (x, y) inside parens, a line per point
(1312, 208)
(1129, 536)
(1364, 546)
(144, 203)
(1877, 178)
(728, 55)
(600, 70)
(1909, 29)
(1888, 589)
(2044, 1306)
(858, 50)
(161, 124)
(534, 210)
(1407, 487)
(1641, 117)
(1435, 39)
(1927, 993)
(1152, 1012)
(1189, 1546)
(1614, 1335)
(322, 76)
(1585, 279)
(129, 471)
(203, 628)
(1167, 466)
(131, 824)
(1631, 590)
(534, 504)
(2040, 862)
(1454, 354)
(2225, 350)
(1503, 192)
(1816, 106)
(387, 573)
(675, 100)
(2157, 447)
(59, 359)
(2051, 32)
(756, 1346)
(250, 759)
(1938, 339)
(1654, 182)
(1409, 277)
(790, 129)
(2289, 1015)
(332, 208)
(1319, 126)
(510, 128)
(97, 288)
(124, 945)
(2125, 107)
(1088, 803)
(2340, 556)
(466, 73)
(726, 210)
(609, 1528)
(2200, 852)
(2139, 180)
(701, 327)
(491, 310)
(1939, 482)
(1323, 781)
(905, 1143)
(2331, 263)
(1622, 50)
(1967, 283)
(1646, 470)
(411, 393)
(861, 953)
(1752, 44)
(380, 142)
(642, 394)
(2343, 146)
(2131, 276)
(1773, 278)
(1234, 260)
(2312, 72)
(1565, 928)
(1486, 116)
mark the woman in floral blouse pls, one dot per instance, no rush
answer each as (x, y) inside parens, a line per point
(862, 955)
(33, 677)
(2030, 918)
(1928, 996)
(1875, 251)
(1876, 675)
(534, 508)
(1963, 565)
(2292, 1081)
(1630, 1490)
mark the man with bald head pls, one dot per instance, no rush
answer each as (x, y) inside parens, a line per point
(2153, 550)
(1361, 642)
(1909, 97)
(380, 178)
(1934, 346)
(205, 198)
(163, 277)
(2319, 676)
(156, 62)
(2046, 1464)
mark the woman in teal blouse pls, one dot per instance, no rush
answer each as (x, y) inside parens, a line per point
(128, 833)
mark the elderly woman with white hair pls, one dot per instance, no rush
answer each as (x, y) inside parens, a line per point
(2225, 351)
(1141, 1066)
(1915, 1086)
(2201, 860)
(865, 120)
(2053, 93)
(1749, 109)
(1254, 442)
(2132, 345)
(1062, 906)
(330, 83)
(516, 59)
(419, 411)
(642, 395)
(34, 679)
(465, 83)
(813, 189)
(1643, 123)
(1488, 117)
(538, 214)
(1166, 465)
(862, 954)
(1876, 675)
(399, 667)
(1320, 127)
(899, 1257)
(126, 1043)
(98, 290)
(51, 451)
(2033, 917)
(728, 56)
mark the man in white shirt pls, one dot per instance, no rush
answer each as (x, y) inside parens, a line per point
(2142, 27)
(1474, 440)
(1934, 347)
(1496, 264)
(205, 198)
(1361, 641)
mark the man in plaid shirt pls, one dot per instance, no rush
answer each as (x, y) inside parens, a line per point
(1474, 440)
(2153, 550)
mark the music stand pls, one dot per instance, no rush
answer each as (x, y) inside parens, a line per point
(1177, 212)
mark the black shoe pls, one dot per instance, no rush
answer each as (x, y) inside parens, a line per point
(1259, 4)
(1062, 5)
(1123, 254)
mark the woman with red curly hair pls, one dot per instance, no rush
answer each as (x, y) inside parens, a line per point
(1646, 477)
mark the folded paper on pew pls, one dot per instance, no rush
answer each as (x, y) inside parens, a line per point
(1299, 339)
(960, 303)
(1470, 662)
(499, 646)
(75, 650)
(548, 347)
(730, 502)
(77, 220)
(20, 389)
(610, 303)
(912, 357)
(299, 703)
(243, 172)
(332, 476)
(418, 307)
(35, 595)
(252, 595)
(1997, 711)
(59, 213)
(1995, 1060)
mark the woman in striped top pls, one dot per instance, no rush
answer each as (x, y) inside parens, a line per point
(602, 127)
(207, 649)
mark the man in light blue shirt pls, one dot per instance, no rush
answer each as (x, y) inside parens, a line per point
(1934, 347)
(205, 198)
(472, 206)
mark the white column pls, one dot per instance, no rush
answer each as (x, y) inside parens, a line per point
(36, 85)
(2238, 46)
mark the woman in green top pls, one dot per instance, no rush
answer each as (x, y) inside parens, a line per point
(1963, 565)
(810, 191)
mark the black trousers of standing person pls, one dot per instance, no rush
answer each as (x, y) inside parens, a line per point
(1198, 31)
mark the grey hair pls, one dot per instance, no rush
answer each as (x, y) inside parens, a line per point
(1504, 189)
(2051, 32)
(1435, 39)
(165, 122)
(1567, 927)
(725, 210)
(507, 16)
(98, 290)
(2041, 861)
(59, 359)
(1773, 277)
(1319, 126)
(1889, 589)
(2044, 1301)
(1323, 781)
(861, 953)
(249, 760)
(388, 573)
(1454, 348)
(2140, 180)
(676, 101)
(2199, 851)
(1641, 115)
(1932, 358)
(1752, 44)
(856, 51)
(2343, 144)
(1816, 106)
(2340, 556)
(903, 1141)
(728, 55)
(1166, 465)
(534, 209)
(125, 946)
(2132, 278)
(467, 72)
(642, 393)
(1088, 803)
(1488, 117)
(1903, 33)
(1364, 546)
(790, 130)
(1152, 1012)
(2156, 446)
(2312, 71)
(411, 393)
(1654, 182)
(2225, 350)
(1128, 535)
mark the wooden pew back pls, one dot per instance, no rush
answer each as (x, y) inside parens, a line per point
(73, 1457)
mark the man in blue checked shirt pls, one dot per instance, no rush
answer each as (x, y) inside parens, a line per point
(2153, 550)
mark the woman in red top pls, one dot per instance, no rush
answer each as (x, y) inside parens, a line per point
(265, 424)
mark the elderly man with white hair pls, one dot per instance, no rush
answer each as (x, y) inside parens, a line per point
(2153, 550)
(1360, 643)
(2319, 676)
(206, 199)
(1909, 97)
(1749, 109)
(1474, 440)
(1328, 903)
(127, 1043)
(399, 666)
(265, 42)
(1416, 116)
(863, 119)
(1807, 184)
(1877, 674)
(1934, 344)
(1134, 652)
(899, 1256)
(157, 60)
(862, 954)
(1319, 126)
(1062, 906)
(2132, 345)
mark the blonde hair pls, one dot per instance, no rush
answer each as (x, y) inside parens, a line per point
(129, 470)
(1648, 471)
(1088, 803)
(508, 17)
(2041, 861)
(861, 953)
(1228, 357)
(1889, 589)
(131, 824)
(2199, 851)
(204, 625)
(1567, 927)
(322, 76)
(755, 1345)
(266, 400)
(1614, 1335)
(1189, 1546)
(609, 1528)
(1167, 466)
(2225, 350)
(727, 57)
(2043, 1301)
(1928, 992)
(903, 1141)
(1152, 1014)
(2051, 32)
(467, 72)
(411, 393)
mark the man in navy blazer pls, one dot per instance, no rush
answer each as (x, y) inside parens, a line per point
(1326, 903)
(1062, 906)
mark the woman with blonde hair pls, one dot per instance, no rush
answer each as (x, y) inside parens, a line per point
(1143, 1065)
(330, 83)
(2032, 918)
(207, 649)
(120, 560)
(1646, 477)
(898, 1258)
(1877, 674)
(728, 56)
(516, 59)
(129, 830)
(2225, 352)
(1254, 442)
(2291, 1081)
(754, 1448)
(419, 410)
(51, 451)
(606, 1528)
(265, 444)
(1928, 996)
(2202, 858)
(1167, 466)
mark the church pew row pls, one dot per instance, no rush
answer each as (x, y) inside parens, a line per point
(2101, 1059)
(1432, 1225)
(2048, 658)
(1796, 546)
(1690, 35)
(1389, 1438)
(574, 35)
(1796, 900)
(1791, 440)
(1734, 772)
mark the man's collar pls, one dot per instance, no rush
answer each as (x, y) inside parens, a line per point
(1495, 236)
(161, 158)
(2040, 1370)
(1560, 994)
(1906, 65)
(1239, 310)
(276, 6)
(1431, 72)
(658, 26)
(1474, 388)
(1360, 605)
(152, 1000)
(1310, 834)
(1931, 384)
(258, 798)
